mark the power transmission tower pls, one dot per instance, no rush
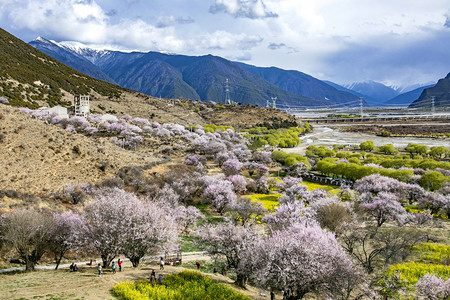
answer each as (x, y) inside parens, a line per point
(267, 103)
(227, 92)
(432, 105)
(274, 102)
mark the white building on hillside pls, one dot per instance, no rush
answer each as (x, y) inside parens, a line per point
(59, 111)
(81, 105)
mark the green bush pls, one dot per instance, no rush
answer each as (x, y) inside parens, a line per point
(288, 159)
(355, 171)
(284, 138)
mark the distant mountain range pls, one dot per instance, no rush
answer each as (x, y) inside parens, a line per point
(378, 94)
(440, 93)
(203, 77)
(31, 78)
(197, 77)
(406, 98)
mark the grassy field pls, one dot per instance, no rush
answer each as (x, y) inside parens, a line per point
(85, 284)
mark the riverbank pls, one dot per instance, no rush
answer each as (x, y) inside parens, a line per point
(329, 135)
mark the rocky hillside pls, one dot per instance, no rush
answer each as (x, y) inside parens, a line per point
(37, 157)
(440, 92)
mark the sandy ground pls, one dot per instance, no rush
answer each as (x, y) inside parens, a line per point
(86, 284)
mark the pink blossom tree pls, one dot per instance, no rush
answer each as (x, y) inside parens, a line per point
(65, 234)
(220, 193)
(303, 259)
(435, 202)
(140, 121)
(371, 185)
(79, 123)
(234, 244)
(433, 287)
(239, 183)
(264, 157)
(214, 147)
(385, 207)
(151, 228)
(262, 170)
(108, 219)
(232, 167)
(288, 214)
(194, 160)
(222, 157)
(186, 217)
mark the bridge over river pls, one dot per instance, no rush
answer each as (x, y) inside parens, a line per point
(381, 118)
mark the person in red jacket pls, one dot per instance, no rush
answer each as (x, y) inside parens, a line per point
(119, 262)
(198, 265)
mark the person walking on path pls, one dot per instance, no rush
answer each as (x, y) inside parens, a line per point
(198, 265)
(113, 267)
(119, 262)
(161, 264)
(153, 276)
(99, 269)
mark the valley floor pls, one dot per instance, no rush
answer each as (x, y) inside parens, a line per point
(85, 284)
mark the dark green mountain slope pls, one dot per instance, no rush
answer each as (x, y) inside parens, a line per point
(440, 92)
(146, 73)
(194, 77)
(407, 98)
(28, 75)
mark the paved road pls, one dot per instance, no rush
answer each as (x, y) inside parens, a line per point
(87, 262)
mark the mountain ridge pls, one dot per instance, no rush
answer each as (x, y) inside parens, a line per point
(440, 92)
(160, 77)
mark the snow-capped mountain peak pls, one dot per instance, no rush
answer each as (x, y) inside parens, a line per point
(76, 47)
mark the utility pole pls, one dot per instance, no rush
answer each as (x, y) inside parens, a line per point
(227, 92)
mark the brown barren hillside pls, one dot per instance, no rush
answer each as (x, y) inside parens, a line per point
(36, 157)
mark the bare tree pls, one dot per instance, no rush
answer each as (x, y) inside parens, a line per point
(374, 246)
(27, 231)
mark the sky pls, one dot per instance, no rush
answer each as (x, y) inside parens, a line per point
(396, 42)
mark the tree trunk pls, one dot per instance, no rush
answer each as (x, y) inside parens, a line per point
(241, 280)
(107, 259)
(135, 261)
(29, 265)
(58, 259)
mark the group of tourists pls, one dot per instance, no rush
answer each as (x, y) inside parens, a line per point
(113, 267)
(73, 267)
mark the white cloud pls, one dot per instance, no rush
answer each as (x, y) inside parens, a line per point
(168, 21)
(341, 40)
(253, 9)
(81, 20)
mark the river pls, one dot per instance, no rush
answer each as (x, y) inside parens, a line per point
(329, 135)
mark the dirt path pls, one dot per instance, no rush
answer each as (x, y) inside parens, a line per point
(86, 284)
